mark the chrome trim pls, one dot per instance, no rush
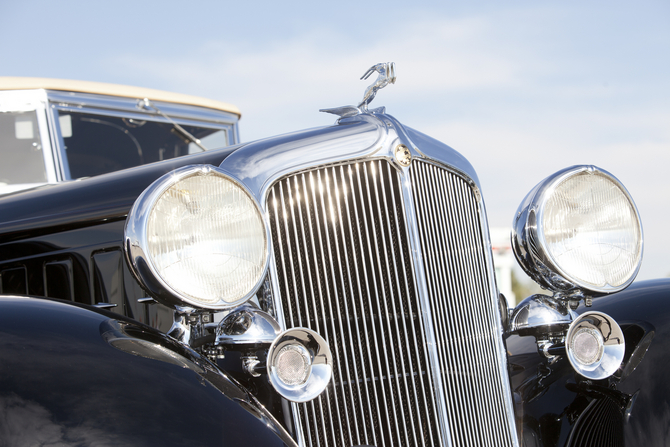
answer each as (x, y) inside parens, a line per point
(541, 312)
(320, 368)
(614, 346)
(123, 107)
(247, 326)
(420, 278)
(181, 329)
(260, 163)
(37, 101)
(362, 138)
(58, 144)
(102, 103)
(379, 269)
(528, 241)
(105, 305)
(136, 242)
(456, 227)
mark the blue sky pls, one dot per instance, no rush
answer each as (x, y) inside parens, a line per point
(521, 88)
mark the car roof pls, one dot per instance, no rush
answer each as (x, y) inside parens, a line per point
(100, 88)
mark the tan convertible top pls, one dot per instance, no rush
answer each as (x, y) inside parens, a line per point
(99, 88)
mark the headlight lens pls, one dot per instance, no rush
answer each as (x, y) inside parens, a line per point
(202, 235)
(580, 229)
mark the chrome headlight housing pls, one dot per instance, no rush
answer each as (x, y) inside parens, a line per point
(197, 237)
(579, 229)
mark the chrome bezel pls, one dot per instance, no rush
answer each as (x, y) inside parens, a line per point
(136, 243)
(321, 368)
(529, 243)
(613, 348)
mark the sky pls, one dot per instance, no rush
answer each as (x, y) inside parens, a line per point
(520, 88)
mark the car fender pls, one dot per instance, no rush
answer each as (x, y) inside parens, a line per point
(72, 375)
(558, 407)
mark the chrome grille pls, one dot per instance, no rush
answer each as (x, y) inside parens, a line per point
(463, 309)
(344, 269)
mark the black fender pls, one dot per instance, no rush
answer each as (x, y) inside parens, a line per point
(555, 406)
(73, 375)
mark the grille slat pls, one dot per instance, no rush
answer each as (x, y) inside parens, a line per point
(435, 239)
(346, 285)
(330, 332)
(385, 272)
(344, 266)
(403, 289)
(467, 321)
(467, 325)
(317, 413)
(356, 317)
(378, 285)
(375, 371)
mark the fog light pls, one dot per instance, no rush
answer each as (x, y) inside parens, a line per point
(299, 364)
(587, 346)
(595, 345)
(293, 365)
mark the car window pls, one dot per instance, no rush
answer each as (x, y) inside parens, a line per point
(98, 144)
(21, 158)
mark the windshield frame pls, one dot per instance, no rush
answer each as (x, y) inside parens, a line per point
(36, 101)
(120, 107)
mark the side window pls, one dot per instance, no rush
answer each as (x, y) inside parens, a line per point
(98, 144)
(20, 149)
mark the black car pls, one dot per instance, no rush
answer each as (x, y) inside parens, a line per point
(327, 287)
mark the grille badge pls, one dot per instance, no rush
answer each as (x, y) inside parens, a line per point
(403, 155)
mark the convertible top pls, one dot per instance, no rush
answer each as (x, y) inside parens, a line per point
(100, 88)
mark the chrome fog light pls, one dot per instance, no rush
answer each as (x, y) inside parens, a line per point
(197, 237)
(299, 364)
(579, 229)
(293, 365)
(595, 345)
(587, 346)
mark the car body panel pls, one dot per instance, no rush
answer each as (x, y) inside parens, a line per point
(558, 407)
(92, 378)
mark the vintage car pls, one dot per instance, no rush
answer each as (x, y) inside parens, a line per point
(53, 130)
(327, 287)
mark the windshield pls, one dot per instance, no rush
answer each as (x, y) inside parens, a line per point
(21, 158)
(98, 144)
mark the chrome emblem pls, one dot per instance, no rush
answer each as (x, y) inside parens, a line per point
(385, 76)
(403, 155)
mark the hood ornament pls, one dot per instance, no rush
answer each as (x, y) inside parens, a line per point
(386, 76)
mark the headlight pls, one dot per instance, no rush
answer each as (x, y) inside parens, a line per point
(197, 237)
(579, 229)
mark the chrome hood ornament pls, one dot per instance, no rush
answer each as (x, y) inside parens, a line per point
(386, 76)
